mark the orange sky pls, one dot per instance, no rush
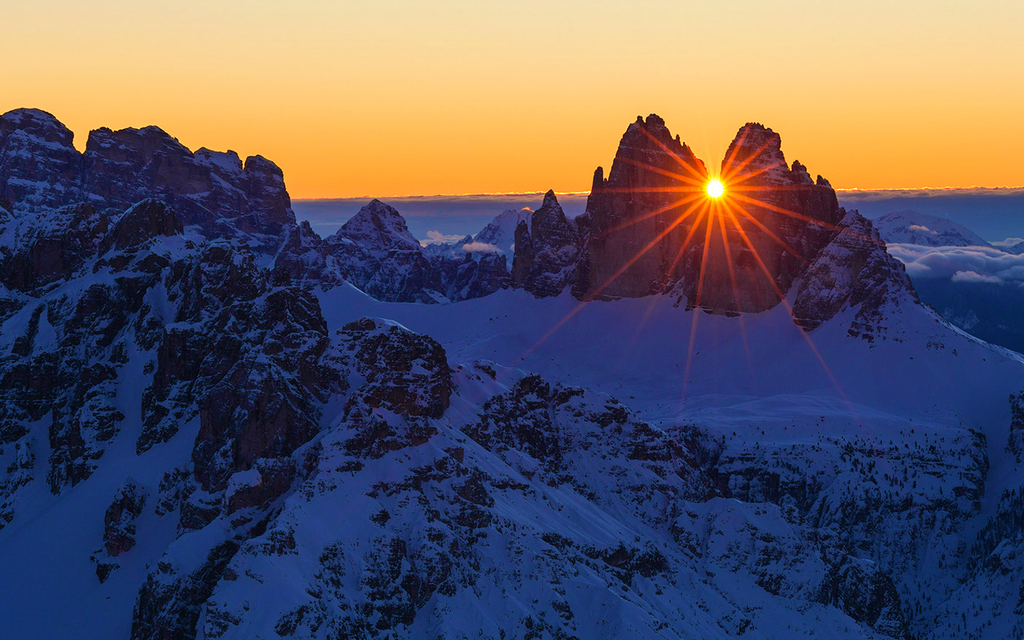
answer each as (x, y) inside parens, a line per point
(393, 97)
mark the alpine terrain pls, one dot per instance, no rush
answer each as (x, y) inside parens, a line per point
(673, 416)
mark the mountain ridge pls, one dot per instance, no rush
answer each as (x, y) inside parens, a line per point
(215, 423)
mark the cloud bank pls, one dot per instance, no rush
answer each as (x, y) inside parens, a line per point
(960, 264)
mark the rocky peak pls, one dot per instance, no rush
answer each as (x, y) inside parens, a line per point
(125, 166)
(375, 252)
(38, 164)
(651, 172)
(377, 227)
(268, 201)
(649, 142)
(756, 151)
(136, 146)
(801, 175)
(550, 227)
(546, 251)
(37, 124)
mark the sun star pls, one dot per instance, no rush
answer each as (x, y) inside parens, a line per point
(715, 188)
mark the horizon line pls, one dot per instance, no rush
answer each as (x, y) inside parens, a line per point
(581, 193)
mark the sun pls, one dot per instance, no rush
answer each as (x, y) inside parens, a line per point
(715, 188)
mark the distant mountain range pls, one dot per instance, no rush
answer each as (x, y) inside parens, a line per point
(664, 417)
(995, 214)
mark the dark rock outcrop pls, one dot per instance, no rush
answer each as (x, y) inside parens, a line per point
(476, 278)
(54, 247)
(245, 356)
(866, 595)
(632, 246)
(171, 610)
(119, 519)
(522, 263)
(146, 220)
(405, 372)
(1015, 444)
(547, 251)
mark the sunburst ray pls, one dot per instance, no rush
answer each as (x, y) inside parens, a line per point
(699, 182)
(808, 219)
(647, 216)
(615, 276)
(699, 175)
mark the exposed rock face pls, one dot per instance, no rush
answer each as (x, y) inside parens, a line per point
(474, 277)
(52, 246)
(650, 170)
(381, 257)
(40, 169)
(256, 352)
(146, 220)
(522, 263)
(786, 218)
(378, 229)
(547, 251)
(403, 371)
(119, 519)
(39, 165)
(171, 609)
(1016, 442)
(867, 596)
(853, 270)
(304, 258)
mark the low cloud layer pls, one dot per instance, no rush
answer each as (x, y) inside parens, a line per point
(480, 247)
(436, 237)
(1008, 243)
(975, 277)
(960, 264)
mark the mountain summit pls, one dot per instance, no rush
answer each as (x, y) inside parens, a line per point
(650, 228)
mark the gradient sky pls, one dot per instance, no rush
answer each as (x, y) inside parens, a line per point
(393, 97)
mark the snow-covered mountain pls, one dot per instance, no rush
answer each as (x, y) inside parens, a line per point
(500, 233)
(1016, 248)
(910, 227)
(216, 424)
